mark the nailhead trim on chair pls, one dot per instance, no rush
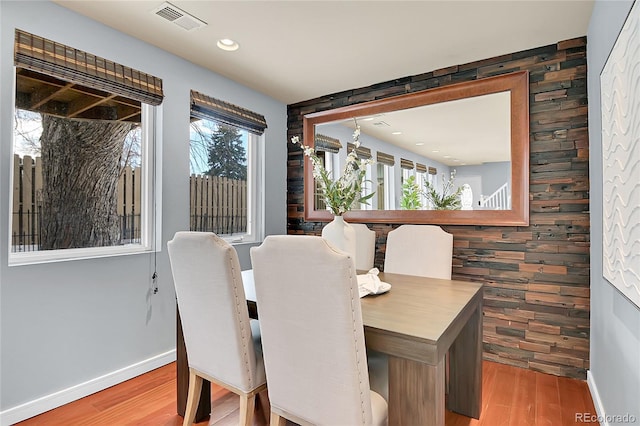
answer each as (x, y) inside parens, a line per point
(242, 328)
(353, 321)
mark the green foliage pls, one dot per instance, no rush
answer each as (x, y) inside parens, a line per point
(449, 199)
(410, 194)
(227, 156)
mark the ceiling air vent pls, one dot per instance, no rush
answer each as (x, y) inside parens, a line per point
(178, 16)
(381, 124)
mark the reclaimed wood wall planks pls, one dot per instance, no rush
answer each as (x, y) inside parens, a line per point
(536, 303)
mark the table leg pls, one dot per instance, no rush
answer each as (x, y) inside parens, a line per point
(182, 378)
(465, 368)
(416, 392)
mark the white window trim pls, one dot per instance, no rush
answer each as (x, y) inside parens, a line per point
(256, 188)
(389, 194)
(149, 233)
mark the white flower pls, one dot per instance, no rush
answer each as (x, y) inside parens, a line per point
(356, 134)
(295, 140)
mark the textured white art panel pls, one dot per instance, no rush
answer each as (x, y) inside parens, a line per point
(620, 92)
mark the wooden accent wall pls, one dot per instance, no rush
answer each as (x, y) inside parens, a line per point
(536, 298)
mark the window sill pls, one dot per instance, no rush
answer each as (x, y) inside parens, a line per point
(51, 256)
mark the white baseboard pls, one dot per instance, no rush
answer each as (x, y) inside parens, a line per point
(73, 393)
(597, 402)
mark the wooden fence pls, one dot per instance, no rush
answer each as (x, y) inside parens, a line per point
(217, 204)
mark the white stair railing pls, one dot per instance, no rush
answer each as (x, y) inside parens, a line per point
(499, 200)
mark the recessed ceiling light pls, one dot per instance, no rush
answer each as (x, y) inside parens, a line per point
(227, 44)
(456, 160)
(396, 133)
(419, 143)
(446, 156)
(367, 119)
(435, 150)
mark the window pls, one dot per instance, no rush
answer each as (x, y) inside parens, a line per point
(226, 153)
(83, 154)
(327, 160)
(367, 188)
(421, 178)
(363, 153)
(407, 169)
(385, 187)
(432, 178)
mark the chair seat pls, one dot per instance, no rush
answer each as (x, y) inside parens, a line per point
(378, 409)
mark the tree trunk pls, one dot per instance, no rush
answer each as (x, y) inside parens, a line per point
(80, 167)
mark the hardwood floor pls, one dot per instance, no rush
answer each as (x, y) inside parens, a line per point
(511, 396)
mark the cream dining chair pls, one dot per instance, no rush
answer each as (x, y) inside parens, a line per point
(312, 334)
(223, 344)
(365, 246)
(422, 250)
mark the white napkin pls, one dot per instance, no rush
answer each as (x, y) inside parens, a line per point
(369, 283)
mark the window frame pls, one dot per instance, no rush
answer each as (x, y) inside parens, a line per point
(151, 123)
(255, 191)
(421, 178)
(255, 155)
(368, 181)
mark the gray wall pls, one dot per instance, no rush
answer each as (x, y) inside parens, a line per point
(494, 175)
(615, 321)
(66, 323)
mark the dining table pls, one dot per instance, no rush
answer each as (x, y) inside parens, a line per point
(416, 324)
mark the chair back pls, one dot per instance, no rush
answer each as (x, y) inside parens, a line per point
(312, 331)
(213, 309)
(423, 250)
(365, 246)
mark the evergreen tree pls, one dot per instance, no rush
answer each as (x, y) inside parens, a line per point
(227, 157)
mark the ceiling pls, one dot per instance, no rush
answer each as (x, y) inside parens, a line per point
(299, 50)
(463, 132)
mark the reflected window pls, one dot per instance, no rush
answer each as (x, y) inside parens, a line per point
(367, 188)
(328, 161)
(407, 170)
(421, 178)
(385, 190)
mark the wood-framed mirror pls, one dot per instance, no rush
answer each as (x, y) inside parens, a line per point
(477, 129)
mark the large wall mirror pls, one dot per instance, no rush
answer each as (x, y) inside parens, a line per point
(468, 138)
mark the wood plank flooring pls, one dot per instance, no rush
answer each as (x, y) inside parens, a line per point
(511, 396)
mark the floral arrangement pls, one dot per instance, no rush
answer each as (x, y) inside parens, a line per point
(449, 199)
(340, 194)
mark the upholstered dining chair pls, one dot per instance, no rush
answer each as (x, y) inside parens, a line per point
(222, 343)
(312, 334)
(422, 250)
(365, 246)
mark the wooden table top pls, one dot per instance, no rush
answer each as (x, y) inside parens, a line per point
(421, 307)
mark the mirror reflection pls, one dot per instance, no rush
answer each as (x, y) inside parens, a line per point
(453, 155)
(475, 131)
